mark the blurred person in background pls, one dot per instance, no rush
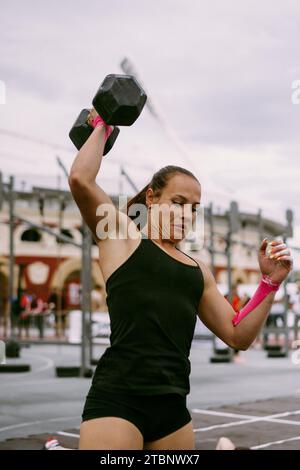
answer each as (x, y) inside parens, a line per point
(275, 318)
(37, 307)
(15, 314)
(295, 307)
(57, 305)
(25, 313)
(237, 302)
(97, 298)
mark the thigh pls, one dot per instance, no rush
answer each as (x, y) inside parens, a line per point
(182, 439)
(111, 421)
(169, 423)
(109, 433)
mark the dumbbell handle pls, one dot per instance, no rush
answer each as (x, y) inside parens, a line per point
(98, 121)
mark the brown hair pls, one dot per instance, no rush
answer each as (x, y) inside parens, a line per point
(158, 182)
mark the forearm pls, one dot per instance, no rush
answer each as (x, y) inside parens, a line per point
(239, 329)
(275, 262)
(245, 332)
(88, 160)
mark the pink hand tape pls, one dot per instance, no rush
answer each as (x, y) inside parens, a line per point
(265, 286)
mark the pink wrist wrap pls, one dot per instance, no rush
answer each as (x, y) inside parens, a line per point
(265, 286)
(98, 121)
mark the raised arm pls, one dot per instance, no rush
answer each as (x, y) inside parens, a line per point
(239, 330)
(82, 181)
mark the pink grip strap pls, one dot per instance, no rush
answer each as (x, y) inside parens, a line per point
(98, 121)
(265, 286)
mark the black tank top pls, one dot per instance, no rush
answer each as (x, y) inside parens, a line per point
(152, 300)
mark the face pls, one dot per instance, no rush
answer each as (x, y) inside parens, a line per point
(175, 211)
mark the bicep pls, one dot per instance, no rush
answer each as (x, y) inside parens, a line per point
(214, 310)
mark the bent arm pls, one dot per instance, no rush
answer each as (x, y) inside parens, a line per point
(88, 160)
(82, 180)
(218, 315)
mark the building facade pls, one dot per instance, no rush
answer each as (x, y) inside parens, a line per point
(43, 264)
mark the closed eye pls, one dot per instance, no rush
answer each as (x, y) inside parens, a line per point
(176, 203)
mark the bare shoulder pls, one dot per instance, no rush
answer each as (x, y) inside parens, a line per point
(118, 247)
(206, 271)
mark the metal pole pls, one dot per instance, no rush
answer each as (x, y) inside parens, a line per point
(19, 295)
(129, 179)
(211, 239)
(212, 255)
(11, 252)
(1, 191)
(286, 307)
(60, 324)
(85, 297)
(234, 224)
(227, 357)
(228, 255)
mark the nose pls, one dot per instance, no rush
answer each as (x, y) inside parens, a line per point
(188, 213)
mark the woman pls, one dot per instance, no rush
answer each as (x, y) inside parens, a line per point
(137, 399)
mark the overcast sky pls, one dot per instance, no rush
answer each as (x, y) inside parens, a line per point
(220, 72)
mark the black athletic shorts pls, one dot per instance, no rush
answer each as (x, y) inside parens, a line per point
(155, 416)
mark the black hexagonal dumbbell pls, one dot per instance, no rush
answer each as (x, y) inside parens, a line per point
(119, 101)
(81, 131)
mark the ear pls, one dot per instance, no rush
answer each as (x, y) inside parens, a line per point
(149, 196)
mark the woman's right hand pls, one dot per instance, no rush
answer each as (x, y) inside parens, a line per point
(93, 113)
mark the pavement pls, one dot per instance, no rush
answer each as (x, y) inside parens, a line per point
(255, 402)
